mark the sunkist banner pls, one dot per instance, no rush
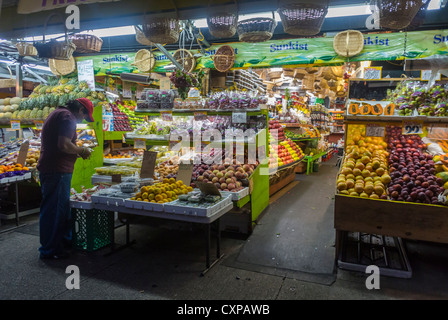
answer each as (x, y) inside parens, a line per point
(314, 51)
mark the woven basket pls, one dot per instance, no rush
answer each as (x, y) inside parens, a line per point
(419, 18)
(144, 60)
(8, 83)
(222, 24)
(59, 50)
(308, 82)
(287, 72)
(86, 43)
(348, 43)
(140, 37)
(26, 49)
(62, 67)
(164, 30)
(397, 14)
(224, 58)
(304, 18)
(300, 73)
(275, 75)
(256, 29)
(312, 70)
(185, 59)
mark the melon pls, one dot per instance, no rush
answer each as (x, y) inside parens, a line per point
(2, 101)
(14, 107)
(15, 100)
(7, 101)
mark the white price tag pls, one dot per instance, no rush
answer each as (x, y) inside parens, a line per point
(167, 115)
(15, 125)
(39, 124)
(373, 130)
(239, 117)
(140, 144)
(412, 127)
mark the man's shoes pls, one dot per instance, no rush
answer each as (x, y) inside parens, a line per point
(58, 256)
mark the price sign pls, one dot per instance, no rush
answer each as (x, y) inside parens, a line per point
(185, 172)
(15, 125)
(39, 124)
(148, 164)
(239, 117)
(372, 73)
(200, 116)
(373, 130)
(167, 115)
(412, 127)
(21, 157)
(127, 90)
(140, 144)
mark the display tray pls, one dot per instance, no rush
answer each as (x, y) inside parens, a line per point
(183, 207)
(359, 250)
(25, 176)
(240, 194)
(108, 200)
(148, 136)
(416, 221)
(195, 110)
(118, 160)
(86, 205)
(143, 205)
(98, 178)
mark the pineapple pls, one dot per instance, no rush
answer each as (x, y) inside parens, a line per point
(83, 85)
(94, 94)
(33, 114)
(39, 114)
(43, 90)
(14, 115)
(63, 81)
(21, 114)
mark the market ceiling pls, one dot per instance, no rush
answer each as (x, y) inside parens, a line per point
(116, 13)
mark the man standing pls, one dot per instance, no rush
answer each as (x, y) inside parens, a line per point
(57, 160)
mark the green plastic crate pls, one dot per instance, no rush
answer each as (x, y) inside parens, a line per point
(92, 229)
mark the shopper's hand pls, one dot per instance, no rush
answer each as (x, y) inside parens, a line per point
(86, 153)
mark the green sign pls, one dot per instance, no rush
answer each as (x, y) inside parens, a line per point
(306, 51)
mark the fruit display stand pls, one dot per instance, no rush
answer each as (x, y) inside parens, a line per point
(386, 216)
(257, 194)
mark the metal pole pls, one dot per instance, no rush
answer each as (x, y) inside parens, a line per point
(19, 80)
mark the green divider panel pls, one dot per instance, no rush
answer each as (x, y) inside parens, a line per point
(84, 169)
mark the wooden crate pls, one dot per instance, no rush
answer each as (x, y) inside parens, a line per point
(414, 221)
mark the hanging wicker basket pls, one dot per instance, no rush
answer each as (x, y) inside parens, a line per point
(140, 37)
(348, 43)
(26, 49)
(86, 43)
(144, 60)
(275, 75)
(62, 67)
(8, 83)
(300, 73)
(222, 24)
(419, 18)
(224, 58)
(397, 14)
(304, 18)
(308, 82)
(256, 29)
(163, 30)
(185, 59)
(311, 70)
(59, 50)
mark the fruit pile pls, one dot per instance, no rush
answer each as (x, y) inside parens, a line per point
(166, 191)
(8, 106)
(415, 96)
(226, 177)
(45, 98)
(284, 153)
(364, 172)
(32, 158)
(128, 107)
(118, 155)
(275, 125)
(412, 170)
(121, 120)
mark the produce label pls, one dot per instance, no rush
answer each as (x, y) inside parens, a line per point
(239, 117)
(412, 127)
(15, 125)
(373, 130)
(39, 124)
(167, 115)
(140, 144)
(372, 73)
